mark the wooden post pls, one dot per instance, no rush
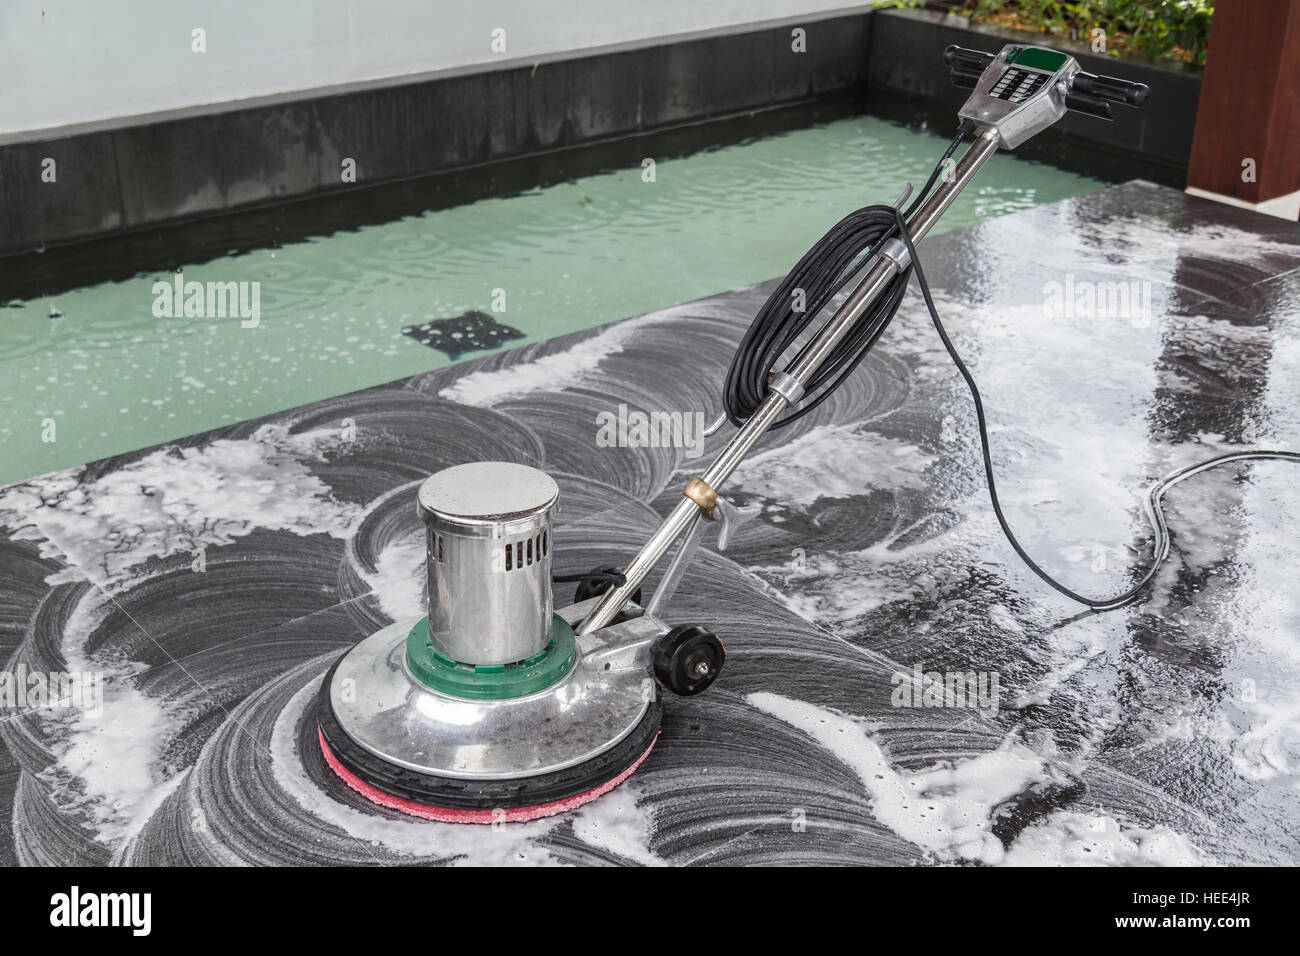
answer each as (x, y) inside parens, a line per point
(1246, 148)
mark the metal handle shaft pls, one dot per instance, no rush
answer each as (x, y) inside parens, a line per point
(801, 371)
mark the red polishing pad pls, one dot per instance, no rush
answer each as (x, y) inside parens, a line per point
(493, 815)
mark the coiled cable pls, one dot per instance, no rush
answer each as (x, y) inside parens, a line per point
(815, 280)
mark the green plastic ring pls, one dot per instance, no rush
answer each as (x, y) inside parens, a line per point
(491, 681)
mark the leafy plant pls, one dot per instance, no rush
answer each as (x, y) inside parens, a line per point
(1172, 29)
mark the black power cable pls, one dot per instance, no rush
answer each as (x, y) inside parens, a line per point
(816, 279)
(1154, 511)
(822, 273)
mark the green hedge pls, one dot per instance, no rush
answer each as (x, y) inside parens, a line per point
(1171, 29)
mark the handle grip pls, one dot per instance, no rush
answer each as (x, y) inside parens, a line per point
(1112, 89)
(960, 57)
(966, 65)
(1089, 104)
(965, 79)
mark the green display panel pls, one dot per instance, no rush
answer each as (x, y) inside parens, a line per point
(1036, 58)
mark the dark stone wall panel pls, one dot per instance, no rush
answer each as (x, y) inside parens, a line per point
(179, 166)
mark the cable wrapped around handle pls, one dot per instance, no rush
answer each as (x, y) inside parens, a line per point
(823, 272)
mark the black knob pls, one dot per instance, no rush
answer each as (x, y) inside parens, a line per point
(594, 586)
(688, 659)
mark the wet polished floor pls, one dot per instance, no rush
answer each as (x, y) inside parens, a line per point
(205, 586)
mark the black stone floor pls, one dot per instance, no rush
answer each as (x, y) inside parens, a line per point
(208, 584)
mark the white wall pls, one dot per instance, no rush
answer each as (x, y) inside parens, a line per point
(70, 61)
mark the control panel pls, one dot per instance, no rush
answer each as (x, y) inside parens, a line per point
(1021, 90)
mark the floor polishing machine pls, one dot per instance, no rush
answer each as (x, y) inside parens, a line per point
(497, 707)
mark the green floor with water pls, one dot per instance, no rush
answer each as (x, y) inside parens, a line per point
(93, 372)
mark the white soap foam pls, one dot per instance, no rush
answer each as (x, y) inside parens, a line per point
(1073, 648)
(107, 765)
(948, 810)
(1261, 678)
(616, 823)
(802, 590)
(398, 581)
(832, 461)
(547, 373)
(1141, 239)
(177, 500)
(1080, 839)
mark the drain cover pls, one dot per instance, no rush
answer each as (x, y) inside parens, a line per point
(472, 332)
